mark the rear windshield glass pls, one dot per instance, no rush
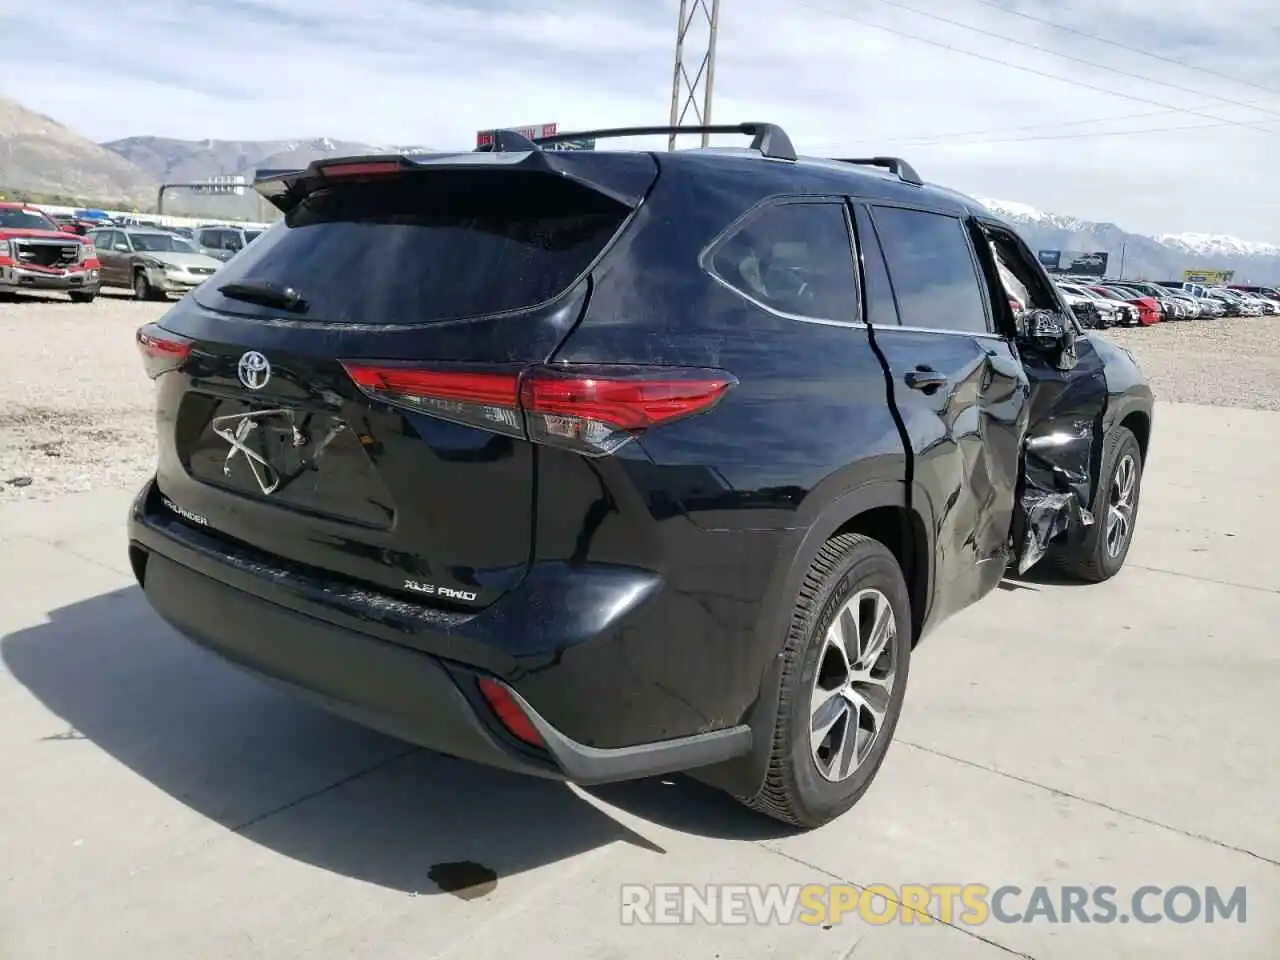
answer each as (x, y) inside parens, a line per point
(427, 246)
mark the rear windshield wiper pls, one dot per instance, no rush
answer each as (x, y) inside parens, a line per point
(267, 295)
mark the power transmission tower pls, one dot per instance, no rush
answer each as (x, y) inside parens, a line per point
(684, 90)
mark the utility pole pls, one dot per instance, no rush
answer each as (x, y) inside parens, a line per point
(684, 91)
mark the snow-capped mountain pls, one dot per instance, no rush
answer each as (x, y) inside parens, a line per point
(1156, 258)
(1217, 244)
(1025, 213)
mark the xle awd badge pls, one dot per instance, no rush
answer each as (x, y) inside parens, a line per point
(254, 370)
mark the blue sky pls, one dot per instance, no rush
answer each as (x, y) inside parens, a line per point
(843, 76)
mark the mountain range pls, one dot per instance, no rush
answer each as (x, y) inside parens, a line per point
(1141, 257)
(45, 160)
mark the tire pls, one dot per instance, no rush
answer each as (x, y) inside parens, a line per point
(796, 789)
(1096, 560)
(143, 290)
(79, 296)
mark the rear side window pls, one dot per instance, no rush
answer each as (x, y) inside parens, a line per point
(932, 268)
(429, 246)
(795, 258)
(876, 288)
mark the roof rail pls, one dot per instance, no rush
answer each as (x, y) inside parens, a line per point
(895, 165)
(769, 138)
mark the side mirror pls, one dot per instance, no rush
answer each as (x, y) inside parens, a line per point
(1048, 333)
(1041, 325)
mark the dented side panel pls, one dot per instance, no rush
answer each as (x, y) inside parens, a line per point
(1071, 413)
(965, 441)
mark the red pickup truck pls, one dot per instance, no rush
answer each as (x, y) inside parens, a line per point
(37, 255)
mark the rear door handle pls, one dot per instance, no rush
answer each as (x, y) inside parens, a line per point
(925, 380)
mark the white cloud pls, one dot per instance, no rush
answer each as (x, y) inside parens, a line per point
(843, 76)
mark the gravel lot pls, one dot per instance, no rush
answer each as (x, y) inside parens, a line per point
(1222, 363)
(75, 408)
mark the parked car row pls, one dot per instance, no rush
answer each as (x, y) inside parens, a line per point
(43, 253)
(1238, 301)
(151, 262)
(221, 241)
(1101, 302)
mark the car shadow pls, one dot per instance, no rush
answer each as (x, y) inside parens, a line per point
(1041, 575)
(312, 786)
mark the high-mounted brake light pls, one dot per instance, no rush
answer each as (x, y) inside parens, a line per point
(593, 410)
(161, 350)
(370, 168)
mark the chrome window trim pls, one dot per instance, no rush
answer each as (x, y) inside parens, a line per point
(781, 314)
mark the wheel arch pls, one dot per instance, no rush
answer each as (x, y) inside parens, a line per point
(882, 510)
(1138, 422)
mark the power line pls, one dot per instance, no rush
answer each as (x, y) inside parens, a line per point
(1081, 60)
(1067, 136)
(943, 140)
(1079, 84)
(1065, 28)
(1053, 125)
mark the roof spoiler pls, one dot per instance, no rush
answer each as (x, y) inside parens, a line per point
(624, 178)
(895, 165)
(768, 138)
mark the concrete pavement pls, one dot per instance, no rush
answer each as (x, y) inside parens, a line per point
(154, 802)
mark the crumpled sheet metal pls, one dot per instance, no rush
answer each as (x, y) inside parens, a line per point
(1046, 516)
(1056, 490)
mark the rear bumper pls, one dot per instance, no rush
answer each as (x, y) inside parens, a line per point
(22, 278)
(243, 616)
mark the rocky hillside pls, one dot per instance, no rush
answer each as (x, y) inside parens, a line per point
(182, 161)
(39, 155)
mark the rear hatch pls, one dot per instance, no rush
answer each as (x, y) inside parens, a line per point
(338, 396)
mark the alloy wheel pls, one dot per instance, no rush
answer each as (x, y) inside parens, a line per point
(1120, 505)
(851, 691)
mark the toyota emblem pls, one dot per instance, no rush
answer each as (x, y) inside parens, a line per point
(254, 370)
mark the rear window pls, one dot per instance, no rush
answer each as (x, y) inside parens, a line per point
(428, 246)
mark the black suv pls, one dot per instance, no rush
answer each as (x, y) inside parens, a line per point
(602, 465)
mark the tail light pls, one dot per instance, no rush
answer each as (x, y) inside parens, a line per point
(592, 410)
(508, 712)
(161, 350)
(477, 398)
